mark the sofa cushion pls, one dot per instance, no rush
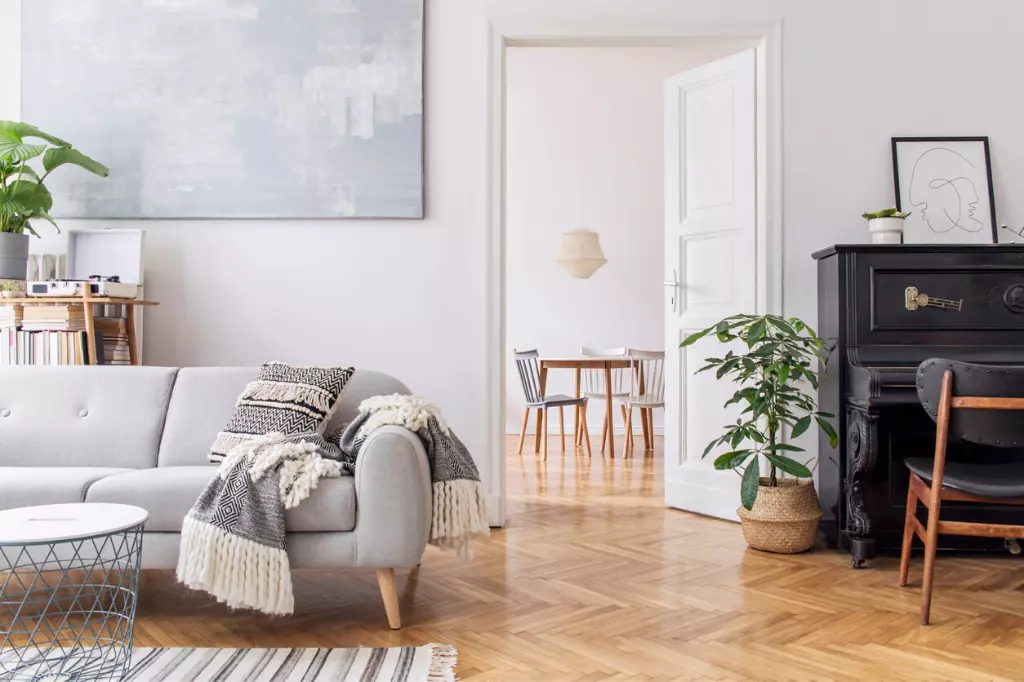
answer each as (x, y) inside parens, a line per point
(204, 399)
(82, 416)
(30, 486)
(202, 403)
(168, 493)
(287, 399)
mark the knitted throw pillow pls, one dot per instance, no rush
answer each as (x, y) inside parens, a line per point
(286, 399)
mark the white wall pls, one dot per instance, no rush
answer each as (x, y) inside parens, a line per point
(409, 298)
(584, 139)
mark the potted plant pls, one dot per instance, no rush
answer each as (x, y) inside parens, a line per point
(886, 226)
(23, 194)
(776, 373)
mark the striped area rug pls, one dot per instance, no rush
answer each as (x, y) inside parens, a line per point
(430, 663)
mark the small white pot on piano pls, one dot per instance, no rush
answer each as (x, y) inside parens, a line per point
(886, 230)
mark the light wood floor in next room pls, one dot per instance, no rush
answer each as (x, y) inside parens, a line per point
(594, 579)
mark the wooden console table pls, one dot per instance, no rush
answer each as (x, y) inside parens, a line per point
(90, 324)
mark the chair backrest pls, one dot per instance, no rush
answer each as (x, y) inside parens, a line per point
(985, 401)
(529, 374)
(649, 364)
(592, 380)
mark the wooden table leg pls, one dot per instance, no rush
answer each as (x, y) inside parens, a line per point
(577, 435)
(536, 436)
(90, 332)
(129, 322)
(608, 408)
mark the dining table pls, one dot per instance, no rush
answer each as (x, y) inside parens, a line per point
(605, 364)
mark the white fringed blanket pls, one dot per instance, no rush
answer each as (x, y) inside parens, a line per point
(233, 539)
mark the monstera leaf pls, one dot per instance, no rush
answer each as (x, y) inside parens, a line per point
(13, 147)
(61, 155)
(23, 196)
(31, 195)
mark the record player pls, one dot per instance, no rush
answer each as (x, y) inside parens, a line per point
(96, 285)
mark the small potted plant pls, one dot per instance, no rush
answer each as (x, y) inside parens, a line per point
(23, 194)
(776, 372)
(886, 226)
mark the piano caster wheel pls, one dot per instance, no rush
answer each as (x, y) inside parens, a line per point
(1012, 545)
(862, 551)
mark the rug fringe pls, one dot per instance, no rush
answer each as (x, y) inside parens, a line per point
(443, 658)
(238, 572)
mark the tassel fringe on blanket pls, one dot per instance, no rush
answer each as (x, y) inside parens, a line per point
(233, 539)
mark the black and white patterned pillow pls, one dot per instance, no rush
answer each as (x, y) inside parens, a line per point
(287, 399)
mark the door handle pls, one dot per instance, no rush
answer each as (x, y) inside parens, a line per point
(675, 285)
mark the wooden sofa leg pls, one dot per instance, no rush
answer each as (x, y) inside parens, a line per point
(386, 581)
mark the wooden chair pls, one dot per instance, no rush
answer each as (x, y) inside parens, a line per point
(528, 367)
(592, 386)
(646, 392)
(977, 404)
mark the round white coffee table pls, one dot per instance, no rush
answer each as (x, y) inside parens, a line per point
(69, 580)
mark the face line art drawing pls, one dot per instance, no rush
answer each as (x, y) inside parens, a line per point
(963, 189)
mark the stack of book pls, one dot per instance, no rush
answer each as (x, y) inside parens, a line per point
(68, 318)
(114, 332)
(45, 348)
(10, 316)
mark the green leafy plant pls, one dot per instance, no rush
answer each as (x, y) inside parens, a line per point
(774, 375)
(23, 194)
(885, 213)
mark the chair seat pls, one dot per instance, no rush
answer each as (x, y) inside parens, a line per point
(602, 395)
(640, 400)
(985, 480)
(557, 400)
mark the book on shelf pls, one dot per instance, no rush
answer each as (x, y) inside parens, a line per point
(21, 347)
(53, 317)
(114, 331)
(10, 315)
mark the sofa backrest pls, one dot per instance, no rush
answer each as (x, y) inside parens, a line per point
(83, 416)
(204, 398)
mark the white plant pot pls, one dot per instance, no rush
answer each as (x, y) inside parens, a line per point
(886, 230)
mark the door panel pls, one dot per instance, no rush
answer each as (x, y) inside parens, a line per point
(711, 246)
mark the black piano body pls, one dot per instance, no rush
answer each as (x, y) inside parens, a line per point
(884, 309)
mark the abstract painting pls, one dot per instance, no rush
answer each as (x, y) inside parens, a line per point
(231, 108)
(946, 185)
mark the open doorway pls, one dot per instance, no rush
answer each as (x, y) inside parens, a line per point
(585, 147)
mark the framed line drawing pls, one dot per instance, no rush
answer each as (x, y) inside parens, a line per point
(946, 185)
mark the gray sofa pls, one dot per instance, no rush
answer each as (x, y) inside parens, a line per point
(140, 436)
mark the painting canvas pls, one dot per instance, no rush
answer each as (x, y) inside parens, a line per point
(946, 185)
(231, 108)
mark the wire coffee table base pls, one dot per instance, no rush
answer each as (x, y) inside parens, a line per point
(67, 608)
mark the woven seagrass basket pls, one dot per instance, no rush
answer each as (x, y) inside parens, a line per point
(784, 519)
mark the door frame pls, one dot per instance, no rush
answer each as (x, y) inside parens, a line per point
(584, 29)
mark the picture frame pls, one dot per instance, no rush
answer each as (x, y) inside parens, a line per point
(945, 183)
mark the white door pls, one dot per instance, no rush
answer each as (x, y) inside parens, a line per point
(711, 251)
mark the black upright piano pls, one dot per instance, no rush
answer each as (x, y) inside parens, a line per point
(884, 309)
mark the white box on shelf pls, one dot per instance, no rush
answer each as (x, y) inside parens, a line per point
(107, 252)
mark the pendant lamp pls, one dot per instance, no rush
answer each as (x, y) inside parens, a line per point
(580, 253)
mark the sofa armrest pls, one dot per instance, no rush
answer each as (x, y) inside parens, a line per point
(393, 499)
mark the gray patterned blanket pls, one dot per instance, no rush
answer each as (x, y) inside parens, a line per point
(233, 539)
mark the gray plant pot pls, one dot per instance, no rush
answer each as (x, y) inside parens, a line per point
(13, 255)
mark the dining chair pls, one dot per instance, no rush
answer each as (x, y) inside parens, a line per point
(592, 385)
(979, 404)
(646, 392)
(528, 366)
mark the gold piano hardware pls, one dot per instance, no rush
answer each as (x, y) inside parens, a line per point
(916, 300)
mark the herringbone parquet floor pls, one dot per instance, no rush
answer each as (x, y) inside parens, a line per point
(594, 579)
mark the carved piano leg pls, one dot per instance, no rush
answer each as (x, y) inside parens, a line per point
(862, 454)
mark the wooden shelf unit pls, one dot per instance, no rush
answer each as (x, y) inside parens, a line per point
(90, 324)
